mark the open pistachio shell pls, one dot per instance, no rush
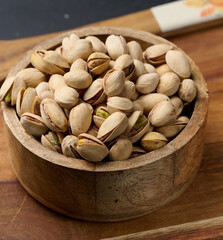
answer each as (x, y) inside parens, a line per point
(93, 130)
(52, 141)
(113, 127)
(121, 150)
(6, 90)
(27, 101)
(79, 64)
(33, 124)
(129, 91)
(119, 104)
(137, 151)
(19, 101)
(152, 141)
(17, 85)
(135, 50)
(139, 70)
(178, 104)
(53, 116)
(91, 148)
(69, 146)
(101, 113)
(98, 45)
(187, 90)
(80, 118)
(98, 63)
(147, 83)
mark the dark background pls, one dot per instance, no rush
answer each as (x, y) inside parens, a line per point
(23, 18)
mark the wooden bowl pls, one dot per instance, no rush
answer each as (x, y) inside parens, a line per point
(108, 191)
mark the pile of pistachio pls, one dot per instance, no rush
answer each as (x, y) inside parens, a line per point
(93, 100)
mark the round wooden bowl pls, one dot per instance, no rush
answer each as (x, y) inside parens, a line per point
(108, 191)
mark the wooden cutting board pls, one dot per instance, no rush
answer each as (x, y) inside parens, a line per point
(197, 214)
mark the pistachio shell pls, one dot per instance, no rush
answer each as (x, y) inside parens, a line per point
(98, 45)
(80, 48)
(135, 50)
(80, 118)
(19, 101)
(69, 145)
(53, 116)
(137, 106)
(60, 50)
(116, 46)
(179, 63)
(156, 53)
(121, 150)
(93, 130)
(150, 100)
(98, 63)
(164, 68)
(112, 127)
(137, 151)
(91, 149)
(68, 43)
(169, 84)
(46, 94)
(51, 141)
(6, 87)
(125, 64)
(43, 86)
(153, 140)
(79, 64)
(27, 102)
(33, 124)
(187, 90)
(114, 82)
(101, 113)
(95, 93)
(66, 97)
(150, 68)
(178, 104)
(31, 77)
(147, 83)
(56, 81)
(119, 104)
(162, 114)
(17, 85)
(78, 79)
(139, 70)
(129, 91)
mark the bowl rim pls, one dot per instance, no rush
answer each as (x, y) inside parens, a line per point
(197, 119)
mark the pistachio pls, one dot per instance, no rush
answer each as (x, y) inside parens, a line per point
(68, 43)
(101, 113)
(137, 151)
(49, 62)
(91, 148)
(150, 68)
(6, 89)
(69, 146)
(95, 93)
(148, 101)
(80, 118)
(179, 63)
(60, 50)
(121, 150)
(66, 97)
(33, 124)
(125, 64)
(153, 140)
(178, 104)
(111, 64)
(112, 127)
(79, 64)
(147, 83)
(135, 50)
(56, 81)
(164, 68)
(98, 63)
(171, 130)
(98, 45)
(19, 101)
(51, 141)
(43, 91)
(80, 48)
(93, 130)
(169, 84)
(139, 70)
(137, 106)
(119, 104)
(114, 82)
(17, 85)
(187, 90)
(53, 116)
(28, 101)
(78, 79)
(162, 114)
(116, 46)
(129, 91)
(156, 54)
(31, 77)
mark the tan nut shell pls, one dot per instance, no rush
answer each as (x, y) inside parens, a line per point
(187, 90)
(68, 43)
(33, 124)
(53, 116)
(98, 62)
(93, 130)
(90, 148)
(135, 50)
(43, 91)
(46, 143)
(6, 87)
(56, 81)
(116, 46)
(80, 118)
(19, 101)
(164, 68)
(119, 104)
(27, 101)
(98, 45)
(178, 104)
(150, 68)
(69, 146)
(179, 63)
(17, 85)
(121, 150)
(137, 151)
(147, 83)
(150, 100)
(114, 82)
(137, 106)
(162, 114)
(66, 97)
(78, 79)
(139, 70)
(113, 127)
(169, 84)
(79, 64)
(153, 140)
(129, 91)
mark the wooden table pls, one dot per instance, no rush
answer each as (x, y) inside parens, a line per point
(197, 214)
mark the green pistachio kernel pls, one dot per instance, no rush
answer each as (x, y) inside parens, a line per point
(142, 120)
(8, 98)
(102, 113)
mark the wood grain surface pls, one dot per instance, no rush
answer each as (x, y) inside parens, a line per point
(21, 217)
